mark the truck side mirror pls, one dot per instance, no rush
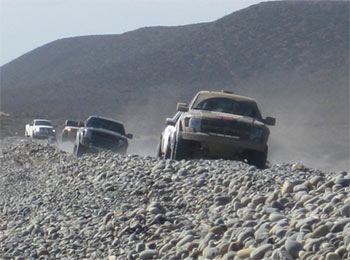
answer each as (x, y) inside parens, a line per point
(182, 107)
(130, 136)
(270, 121)
(169, 121)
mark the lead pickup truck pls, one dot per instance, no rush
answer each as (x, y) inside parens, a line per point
(219, 125)
(40, 129)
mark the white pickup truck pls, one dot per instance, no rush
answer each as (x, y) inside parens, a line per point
(39, 128)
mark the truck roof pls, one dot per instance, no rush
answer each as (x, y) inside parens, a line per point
(105, 118)
(42, 120)
(225, 94)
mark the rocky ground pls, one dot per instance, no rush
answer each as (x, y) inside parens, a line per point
(109, 206)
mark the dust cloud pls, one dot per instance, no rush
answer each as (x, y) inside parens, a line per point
(65, 146)
(312, 119)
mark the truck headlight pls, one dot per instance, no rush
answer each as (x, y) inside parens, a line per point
(256, 134)
(195, 124)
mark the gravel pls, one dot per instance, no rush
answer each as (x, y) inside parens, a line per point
(109, 206)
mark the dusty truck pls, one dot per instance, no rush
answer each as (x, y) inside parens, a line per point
(220, 125)
(40, 128)
(101, 133)
(70, 130)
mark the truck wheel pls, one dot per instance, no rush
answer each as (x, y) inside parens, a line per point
(167, 152)
(258, 158)
(78, 150)
(52, 140)
(180, 150)
(159, 151)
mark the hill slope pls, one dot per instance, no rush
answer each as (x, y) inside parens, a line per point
(292, 56)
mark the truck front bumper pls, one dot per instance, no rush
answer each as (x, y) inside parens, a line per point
(222, 146)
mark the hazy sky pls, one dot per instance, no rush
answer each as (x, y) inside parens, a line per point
(28, 24)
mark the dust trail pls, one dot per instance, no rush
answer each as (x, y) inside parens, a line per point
(65, 146)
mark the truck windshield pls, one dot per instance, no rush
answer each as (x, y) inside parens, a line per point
(42, 122)
(231, 106)
(106, 124)
(71, 123)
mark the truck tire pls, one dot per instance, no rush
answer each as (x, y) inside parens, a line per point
(167, 154)
(78, 149)
(258, 159)
(180, 150)
(159, 152)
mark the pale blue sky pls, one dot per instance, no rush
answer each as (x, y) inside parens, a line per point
(28, 24)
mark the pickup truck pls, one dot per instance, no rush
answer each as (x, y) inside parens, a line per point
(70, 130)
(101, 133)
(40, 129)
(218, 125)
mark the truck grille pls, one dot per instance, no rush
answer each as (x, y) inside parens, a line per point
(45, 131)
(104, 141)
(230, 128)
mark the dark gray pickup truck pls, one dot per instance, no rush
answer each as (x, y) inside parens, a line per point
(100, 133)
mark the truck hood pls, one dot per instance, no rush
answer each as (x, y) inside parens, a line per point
(225, 116)
(43, 126)
(101, 130)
